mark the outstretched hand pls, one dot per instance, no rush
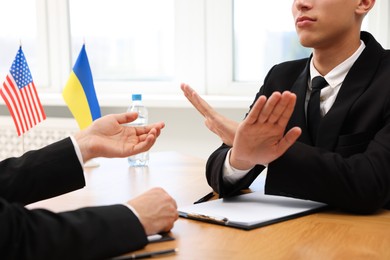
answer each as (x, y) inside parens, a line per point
(109, 136)
(222, 126)
(260, 138)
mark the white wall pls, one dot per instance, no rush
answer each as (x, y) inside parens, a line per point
(379, 21)
(186, 132)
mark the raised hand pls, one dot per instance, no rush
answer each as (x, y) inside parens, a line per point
(222, 126)
(260, 138)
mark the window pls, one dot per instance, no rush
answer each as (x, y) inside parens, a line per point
(219, 47)
(125, 39)
(244, 41)
(19, 20)
(262, 40)
(138, 46)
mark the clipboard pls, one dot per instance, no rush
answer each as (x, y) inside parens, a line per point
(250, 211)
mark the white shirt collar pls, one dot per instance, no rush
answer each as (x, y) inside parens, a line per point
(337, 75)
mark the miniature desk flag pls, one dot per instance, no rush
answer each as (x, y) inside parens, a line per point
(79, 92)
(20, 95)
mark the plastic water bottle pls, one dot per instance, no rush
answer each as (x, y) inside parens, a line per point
(141, 159)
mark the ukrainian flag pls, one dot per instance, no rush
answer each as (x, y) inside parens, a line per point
(79, 92)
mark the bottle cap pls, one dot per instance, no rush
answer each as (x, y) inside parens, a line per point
(136, 97)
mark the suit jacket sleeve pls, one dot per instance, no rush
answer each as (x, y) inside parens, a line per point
(214, 174)
(87, 233)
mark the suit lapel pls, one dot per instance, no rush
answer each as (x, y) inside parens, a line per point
(355, 83)
(298, 117)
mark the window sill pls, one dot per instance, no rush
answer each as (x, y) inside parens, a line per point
(167, 101)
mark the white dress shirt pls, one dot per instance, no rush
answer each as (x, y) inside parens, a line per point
(328, 96)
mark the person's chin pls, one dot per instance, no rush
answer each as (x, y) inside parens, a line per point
(306, 39)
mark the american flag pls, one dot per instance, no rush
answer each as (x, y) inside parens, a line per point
(21, 97)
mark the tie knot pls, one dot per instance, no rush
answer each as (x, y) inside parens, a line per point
(318, 83)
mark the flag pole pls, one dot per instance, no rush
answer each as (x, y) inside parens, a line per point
(91, 163)
(20, 45)
(22, 144)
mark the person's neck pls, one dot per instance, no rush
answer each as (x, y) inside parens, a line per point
(326, 59)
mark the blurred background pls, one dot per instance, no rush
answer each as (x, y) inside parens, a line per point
(222, 48)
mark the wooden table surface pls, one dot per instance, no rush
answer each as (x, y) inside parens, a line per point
(324, 235)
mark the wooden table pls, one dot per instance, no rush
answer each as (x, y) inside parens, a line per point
(325, 235)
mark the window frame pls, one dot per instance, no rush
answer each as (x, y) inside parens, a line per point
(219, 61)
(204, 53)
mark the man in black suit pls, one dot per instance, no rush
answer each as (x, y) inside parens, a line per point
(346, 163)
(87, 233)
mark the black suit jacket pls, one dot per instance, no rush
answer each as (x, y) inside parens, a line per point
(349, 165)
(88, 233)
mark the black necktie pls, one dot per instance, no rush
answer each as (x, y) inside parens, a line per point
(313, 108)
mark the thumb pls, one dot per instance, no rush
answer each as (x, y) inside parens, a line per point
(126, 117)
(289, 139)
